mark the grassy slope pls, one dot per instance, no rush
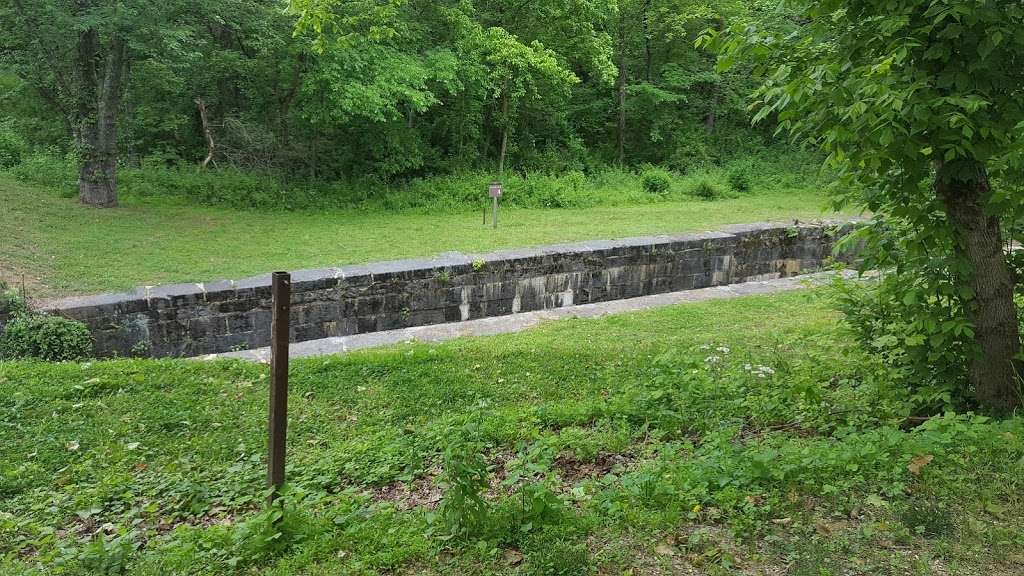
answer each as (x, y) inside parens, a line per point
(65, 248)
(666, 462)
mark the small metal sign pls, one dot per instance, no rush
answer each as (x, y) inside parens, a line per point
(495, 190)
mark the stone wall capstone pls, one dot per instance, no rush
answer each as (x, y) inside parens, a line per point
(226, 315)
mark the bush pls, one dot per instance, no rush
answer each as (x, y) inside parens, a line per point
(49, 171)
(914, 316)
(655, 180)
(12, 147)
(707, 189)
(11, 303)
(45, 337)
(741, 177)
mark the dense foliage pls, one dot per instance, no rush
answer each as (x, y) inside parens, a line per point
(406, 88)
(918, 104)
(44, 337)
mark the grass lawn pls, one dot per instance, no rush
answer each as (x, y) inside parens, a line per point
(64, 248)
(744, 436)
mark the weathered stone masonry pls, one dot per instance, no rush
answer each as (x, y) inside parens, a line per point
(195, 319)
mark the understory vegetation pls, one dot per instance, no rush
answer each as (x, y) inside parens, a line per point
(733, 437)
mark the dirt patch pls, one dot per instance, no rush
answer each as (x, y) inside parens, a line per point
(573, 470)
(423, 492)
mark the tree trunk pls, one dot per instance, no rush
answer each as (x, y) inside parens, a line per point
(712, 116)
(964, 189)
(207, 133)
(99, 100)
(647, 40)
(622, 90)
(504, 133)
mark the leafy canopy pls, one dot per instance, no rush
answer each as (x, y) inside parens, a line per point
(890, 88)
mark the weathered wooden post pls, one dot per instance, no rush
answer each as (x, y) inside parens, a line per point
(494, 191)
(281, 288)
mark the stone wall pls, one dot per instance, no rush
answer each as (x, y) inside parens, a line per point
(221, 316)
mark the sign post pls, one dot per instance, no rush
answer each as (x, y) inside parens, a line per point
(280, 289)
(494, 190)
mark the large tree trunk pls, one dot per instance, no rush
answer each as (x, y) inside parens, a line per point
(964, 189)
(99, 99)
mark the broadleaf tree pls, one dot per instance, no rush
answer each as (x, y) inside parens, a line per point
(920, 104)
(77, 56)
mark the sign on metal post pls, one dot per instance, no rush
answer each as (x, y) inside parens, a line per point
(494, 191)
(281, 288)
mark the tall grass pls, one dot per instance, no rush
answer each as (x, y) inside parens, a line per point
(462, 191)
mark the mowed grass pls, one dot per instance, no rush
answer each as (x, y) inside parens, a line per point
(733, 437)
(64, 248)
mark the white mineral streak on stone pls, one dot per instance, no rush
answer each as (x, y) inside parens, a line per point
(566, 298)
(464, 307)
(539, 287)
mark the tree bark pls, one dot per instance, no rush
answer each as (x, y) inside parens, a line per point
(99, 100)
(964, 189)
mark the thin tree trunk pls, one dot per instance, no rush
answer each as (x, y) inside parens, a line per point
(964, 189)
(716, 93)
(647, 39)
(504, 133)
(712, 116)
(622, 90)
(207, 132)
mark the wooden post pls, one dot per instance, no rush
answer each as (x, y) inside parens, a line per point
(281, 289)
(494, 191)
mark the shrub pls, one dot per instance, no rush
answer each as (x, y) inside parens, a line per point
(691, 153)
(655, 180)
(463, 512)
(11, 303)
(914, 316)
(12, 147)
(49, 171)
(45, 337)
(741, 177)
(707, 189)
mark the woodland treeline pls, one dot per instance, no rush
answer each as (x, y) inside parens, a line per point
(393, 89)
